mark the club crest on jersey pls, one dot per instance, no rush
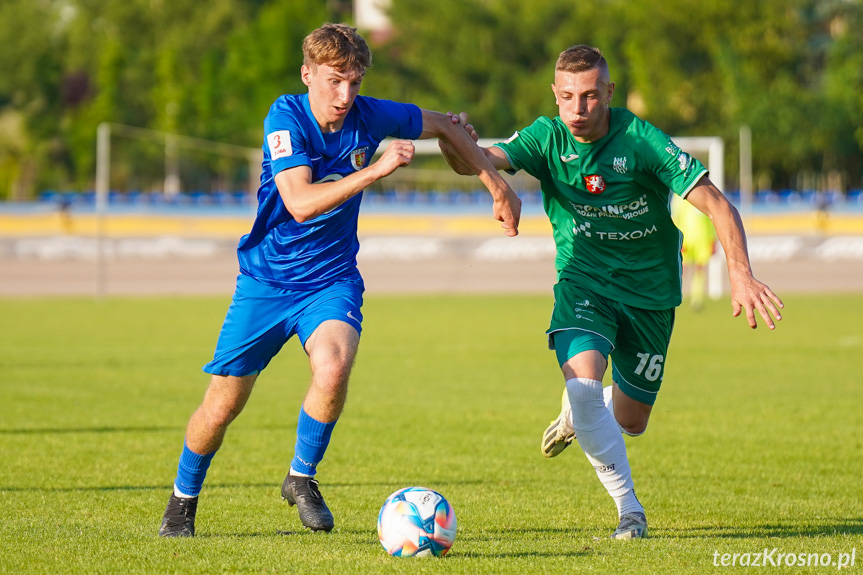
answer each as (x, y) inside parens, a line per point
(595, 184)
(359, 157)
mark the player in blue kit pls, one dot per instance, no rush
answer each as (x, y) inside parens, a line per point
(298, 264)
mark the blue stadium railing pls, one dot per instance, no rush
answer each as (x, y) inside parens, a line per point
(806, 199)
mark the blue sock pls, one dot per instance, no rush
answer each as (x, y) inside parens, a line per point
(313, 437)
(191, 471)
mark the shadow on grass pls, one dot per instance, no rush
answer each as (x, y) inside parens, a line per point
(50, 431)
(517, 554)
(255, 535)
(166, 487)
(215, 486)
(143, 429)
(368, 538)
(841, 526)
(488, 537)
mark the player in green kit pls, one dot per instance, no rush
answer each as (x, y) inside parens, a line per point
(607, 179)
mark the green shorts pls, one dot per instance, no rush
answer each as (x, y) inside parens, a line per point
(635, 339)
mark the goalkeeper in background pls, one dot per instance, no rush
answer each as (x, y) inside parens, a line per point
(699, 245)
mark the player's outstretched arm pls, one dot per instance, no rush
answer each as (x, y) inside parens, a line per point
(306, 200)
(747, 293)
(449, 155)
(494, 155)
(474, 161)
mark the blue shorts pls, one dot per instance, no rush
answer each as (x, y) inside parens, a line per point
(262, 318)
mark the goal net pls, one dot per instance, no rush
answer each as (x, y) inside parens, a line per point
(140, 165)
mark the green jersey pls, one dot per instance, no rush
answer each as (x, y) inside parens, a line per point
(609, 203)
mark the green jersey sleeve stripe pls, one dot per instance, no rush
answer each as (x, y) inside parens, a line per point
(688, 189)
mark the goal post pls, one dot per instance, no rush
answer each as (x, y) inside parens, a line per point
(168, 181)
(713, 149)
(171, 144)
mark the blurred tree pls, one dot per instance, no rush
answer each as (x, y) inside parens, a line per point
(210, 70)
(261, 62)
(790, 69)
(30, 74)
(492, 59)
(842, 86)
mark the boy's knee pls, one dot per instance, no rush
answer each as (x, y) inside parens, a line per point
(633, 428)
(223, 413)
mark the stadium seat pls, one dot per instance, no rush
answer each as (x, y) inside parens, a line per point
(766, 197)
(402, 197)
(480, 197)
(787, 196)
(530, 197)
(241, 198)
(49, 196)
(222, 199)
(135, 197)
(733, 196)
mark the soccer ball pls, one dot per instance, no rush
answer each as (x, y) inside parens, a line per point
(416, 522)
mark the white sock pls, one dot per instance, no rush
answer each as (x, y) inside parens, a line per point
(599, 436)
(607, 398)
(296, 473)
(629, 503)
(180, 494)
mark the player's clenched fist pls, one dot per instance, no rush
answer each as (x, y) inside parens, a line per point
(399, 153)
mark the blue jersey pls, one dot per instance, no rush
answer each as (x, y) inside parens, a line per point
(284, 253)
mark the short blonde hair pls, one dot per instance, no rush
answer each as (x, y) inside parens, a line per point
(337, 45)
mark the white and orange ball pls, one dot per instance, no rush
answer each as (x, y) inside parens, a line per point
(416, 522)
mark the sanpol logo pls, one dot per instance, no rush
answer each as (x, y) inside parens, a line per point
(626, 211)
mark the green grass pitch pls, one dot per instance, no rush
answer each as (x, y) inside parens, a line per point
(754, 443)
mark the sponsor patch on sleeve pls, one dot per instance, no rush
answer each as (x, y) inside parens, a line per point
(280, 144)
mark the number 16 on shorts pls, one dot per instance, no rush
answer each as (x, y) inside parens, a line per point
(649, 366)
